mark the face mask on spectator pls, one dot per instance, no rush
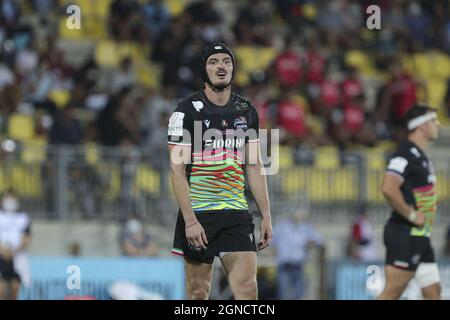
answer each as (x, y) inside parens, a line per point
(10, 204)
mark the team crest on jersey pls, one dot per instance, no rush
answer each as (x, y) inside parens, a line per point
(240, 123)
(224, 123)
(198, 105)
(241, 105)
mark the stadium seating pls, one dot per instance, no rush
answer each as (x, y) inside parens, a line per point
(21, 127)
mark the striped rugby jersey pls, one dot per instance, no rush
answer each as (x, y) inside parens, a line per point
(217, 136)
(411, 165)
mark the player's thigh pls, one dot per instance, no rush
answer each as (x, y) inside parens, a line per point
(198, 275)
(3, 289)
(240, 267)
(397, 279)
(14, 289)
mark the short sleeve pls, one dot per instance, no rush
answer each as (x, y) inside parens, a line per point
(253, 125)
(180, 127)
(398, 166)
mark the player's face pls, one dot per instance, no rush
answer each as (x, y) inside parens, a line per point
(432, 129)
(219, 68)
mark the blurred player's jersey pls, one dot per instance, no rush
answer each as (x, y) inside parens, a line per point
(217, 136)
(13, 225)
(412, 166)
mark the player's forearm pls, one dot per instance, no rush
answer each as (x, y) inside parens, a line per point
(396, 200)
(258, 187)
(26, 239)
(181, 189)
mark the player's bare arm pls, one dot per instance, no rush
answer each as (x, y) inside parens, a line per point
(194, 231)
(258, 186)
(390, 188)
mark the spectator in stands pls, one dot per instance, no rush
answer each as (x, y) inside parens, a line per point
(399, 94)
(205, 20)
(258, 93)
(66, 128)
(291, 113)
(156, 143)
(418, 23)
(125, 77)
(315, 62)
(288, 65)
(156, 17)
(15, 237)
(351, 124)
(126, 21)
(291, 240)
(362, 238)
(203, 12)
(253, 25)
(351, 85)
(135, 241)
(117, 122)
(330, 97)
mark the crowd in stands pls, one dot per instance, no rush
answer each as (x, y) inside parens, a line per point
(320, 75)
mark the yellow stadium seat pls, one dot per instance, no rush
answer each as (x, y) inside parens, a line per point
(375, 158)
(373, 182)
(318, 186)
(59, 97)
(136, 52)
(34, 151)
(420, 65)
(147, 180)
(26, 180)
(344, 185)
(175, 7)
(3, 179)
(442, 185)
(101, 8)
(149, 75)
(286, 159)
(106, 53)
(96, 27)
(359, 60)
(250, 59)
(294, 181)
(327, 158)
(109, 53)
(309, 11)
(21, 127)
(113, 172)
(92, 153)
(436, 91)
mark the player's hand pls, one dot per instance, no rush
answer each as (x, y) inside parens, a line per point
(266, 233)
(6, 253)
(420, 219)
(196, 236)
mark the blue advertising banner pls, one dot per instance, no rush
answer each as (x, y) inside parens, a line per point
(364, 281)
(94, 278)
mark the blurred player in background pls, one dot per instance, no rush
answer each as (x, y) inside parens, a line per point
(292, 241)
(14, 240)
(214, 218)
(409, 186)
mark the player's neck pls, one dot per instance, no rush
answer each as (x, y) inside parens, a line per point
(219, 98)
(419, 141)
